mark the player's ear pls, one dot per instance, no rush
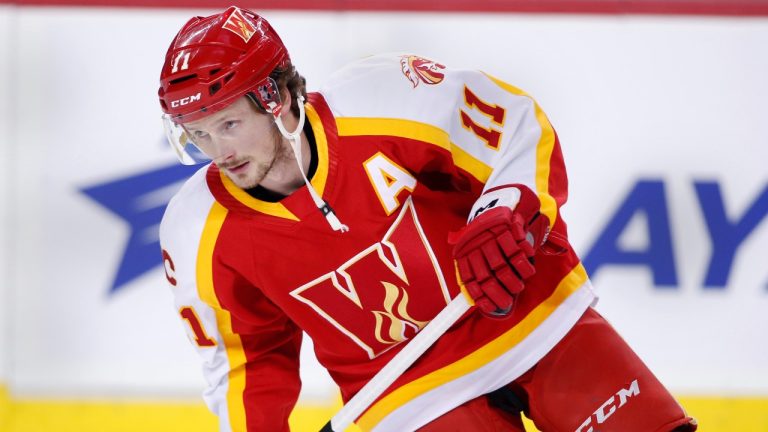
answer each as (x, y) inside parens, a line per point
(287, 99)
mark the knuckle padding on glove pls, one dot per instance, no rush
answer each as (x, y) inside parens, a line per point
(474, 290)
(486, 305)
(484, 286)
(510, 280)
(493, 256)
(507, 243)
(522, 266)
(477, 264)
(496, 293)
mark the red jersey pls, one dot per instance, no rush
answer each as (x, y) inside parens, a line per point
(405, 148)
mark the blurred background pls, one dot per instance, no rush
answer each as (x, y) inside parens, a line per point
(660, 108)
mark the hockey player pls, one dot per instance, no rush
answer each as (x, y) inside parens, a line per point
(355, 214)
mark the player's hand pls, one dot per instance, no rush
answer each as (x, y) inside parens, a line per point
(494, 254)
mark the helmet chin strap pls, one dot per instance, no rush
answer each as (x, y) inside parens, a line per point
(295, 139)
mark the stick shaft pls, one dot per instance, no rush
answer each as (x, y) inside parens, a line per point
(399, 363)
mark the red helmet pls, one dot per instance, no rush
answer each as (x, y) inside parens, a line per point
(212, 61)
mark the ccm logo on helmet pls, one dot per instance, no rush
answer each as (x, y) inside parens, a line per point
(186, 100)
(609, 407)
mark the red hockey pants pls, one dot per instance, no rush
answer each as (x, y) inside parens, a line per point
(591, 381)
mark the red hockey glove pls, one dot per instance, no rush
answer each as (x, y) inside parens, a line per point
(494, 252)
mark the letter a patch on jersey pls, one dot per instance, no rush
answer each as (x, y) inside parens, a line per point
(240, 25)
(385, 294)
(388, 180)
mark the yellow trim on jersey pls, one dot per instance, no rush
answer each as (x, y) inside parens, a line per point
(362, 126)
(470, 164)
(272, 209)
(232, 342)
(321, 174)
(480, 357)
(544, 150)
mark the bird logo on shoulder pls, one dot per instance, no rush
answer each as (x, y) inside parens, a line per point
(418, 69)
(240, 25)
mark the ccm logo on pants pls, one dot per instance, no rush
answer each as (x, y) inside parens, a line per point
(609, 407)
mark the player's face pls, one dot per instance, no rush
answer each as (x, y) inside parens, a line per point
(243, 142)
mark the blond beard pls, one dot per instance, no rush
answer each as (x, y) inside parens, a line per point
(282, 158)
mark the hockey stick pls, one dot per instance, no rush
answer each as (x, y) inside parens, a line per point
(399, 363)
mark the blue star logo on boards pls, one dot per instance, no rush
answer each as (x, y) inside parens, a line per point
(140, 200)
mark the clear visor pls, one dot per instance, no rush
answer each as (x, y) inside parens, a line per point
(182, 144)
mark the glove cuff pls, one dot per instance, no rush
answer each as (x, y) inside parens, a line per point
(507, 195)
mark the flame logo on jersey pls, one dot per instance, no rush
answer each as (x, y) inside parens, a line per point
(394, 324)
(386, 293)
(240, 25)
(418, 69)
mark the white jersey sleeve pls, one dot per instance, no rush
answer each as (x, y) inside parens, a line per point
(180, 233)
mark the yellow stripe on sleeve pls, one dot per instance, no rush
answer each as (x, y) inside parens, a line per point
(232, 341)
(359, 126)
(409, 129)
